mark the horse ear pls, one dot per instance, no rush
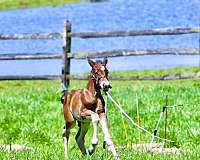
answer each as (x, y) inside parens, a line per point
(105, 61)
(91, 62)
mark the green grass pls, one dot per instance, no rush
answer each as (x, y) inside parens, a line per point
(13, 4)
(155, 72)
(149, 72)
(31, 113)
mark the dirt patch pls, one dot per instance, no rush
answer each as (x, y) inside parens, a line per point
(14, 147)
(155, 148)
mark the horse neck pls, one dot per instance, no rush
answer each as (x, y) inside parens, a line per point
(91, 86)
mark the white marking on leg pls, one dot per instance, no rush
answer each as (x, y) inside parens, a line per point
(94, 141)
(65, 146)
(95, 118)
(107, 137)
(95, 134)
(65, 142)
(95, 121)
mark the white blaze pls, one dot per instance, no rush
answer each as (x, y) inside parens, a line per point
(103, 68)
(104, 82)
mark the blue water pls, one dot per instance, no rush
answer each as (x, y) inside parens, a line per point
(104, 16)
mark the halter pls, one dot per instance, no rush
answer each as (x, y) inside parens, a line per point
(95, 80)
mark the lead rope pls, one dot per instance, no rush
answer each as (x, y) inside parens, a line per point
(132, 121)
(106, 103)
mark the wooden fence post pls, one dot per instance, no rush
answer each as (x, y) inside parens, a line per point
(66, 52)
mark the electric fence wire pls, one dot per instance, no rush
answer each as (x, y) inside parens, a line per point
(132, 121)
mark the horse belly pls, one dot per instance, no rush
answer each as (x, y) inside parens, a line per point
(79, 118)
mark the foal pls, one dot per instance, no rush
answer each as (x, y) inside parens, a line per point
(87, 105)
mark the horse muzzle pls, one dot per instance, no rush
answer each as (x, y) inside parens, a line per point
(106, 87)
(104, 84)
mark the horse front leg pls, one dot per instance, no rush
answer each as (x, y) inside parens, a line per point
(94, 141)
(107, 137)
(94, 117)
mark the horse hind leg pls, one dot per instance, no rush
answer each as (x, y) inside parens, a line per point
(80, 136)
(65, 135)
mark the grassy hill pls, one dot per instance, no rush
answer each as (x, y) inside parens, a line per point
(13, 4)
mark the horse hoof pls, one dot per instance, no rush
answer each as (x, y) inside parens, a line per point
(104, 145)
(90, 152)
(116, 157)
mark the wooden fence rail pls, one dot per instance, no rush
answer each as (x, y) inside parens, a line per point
(67, 35)
(136, 32)
(143, 32)
(132, 52)
(31, 56)
(30, 36)
(113, 53)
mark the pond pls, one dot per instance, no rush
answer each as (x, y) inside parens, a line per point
(103, 16)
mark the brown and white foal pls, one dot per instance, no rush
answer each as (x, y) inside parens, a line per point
(87, 105)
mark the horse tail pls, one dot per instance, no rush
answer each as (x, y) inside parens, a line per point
(63, 92)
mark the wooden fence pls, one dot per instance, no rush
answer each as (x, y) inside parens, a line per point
(67, 55)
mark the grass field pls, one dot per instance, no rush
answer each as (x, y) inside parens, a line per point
(155, 72)
(31, 114)
(13, 4)
(149, 72)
